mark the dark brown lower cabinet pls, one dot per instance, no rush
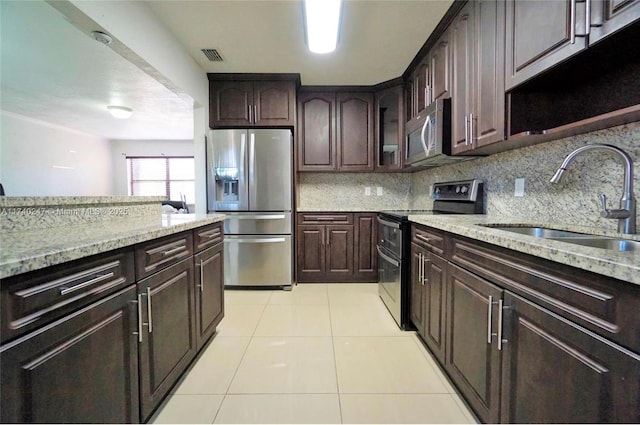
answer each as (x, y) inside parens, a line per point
(167, 302)
(557, 372)
(435, 304)
(336, 247)
(416, 308)
(339, 252)
(82, 368)
(472, 362)
(209, 279)
(428, 298)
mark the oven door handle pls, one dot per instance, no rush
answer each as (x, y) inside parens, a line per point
(388, 223)
(384, 256)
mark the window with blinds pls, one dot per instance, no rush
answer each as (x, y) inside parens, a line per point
(162, 176)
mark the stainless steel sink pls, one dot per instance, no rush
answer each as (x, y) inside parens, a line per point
(620, 245)
(539, 232)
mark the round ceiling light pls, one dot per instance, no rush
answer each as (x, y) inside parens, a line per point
(102, 37)
(120, 112)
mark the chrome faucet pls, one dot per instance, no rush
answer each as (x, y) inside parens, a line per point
(626, 214)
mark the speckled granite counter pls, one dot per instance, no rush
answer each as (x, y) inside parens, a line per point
(27, 250)
(620, 265)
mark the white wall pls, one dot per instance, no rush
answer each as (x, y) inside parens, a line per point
(120, 149)
(30, 149)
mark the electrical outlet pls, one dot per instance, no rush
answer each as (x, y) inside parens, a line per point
(519, 189)
(379, 191)
(367, 191)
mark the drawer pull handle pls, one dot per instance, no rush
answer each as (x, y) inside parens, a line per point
(211, 235)
(424, 238)
(65, 291)
(173, 251)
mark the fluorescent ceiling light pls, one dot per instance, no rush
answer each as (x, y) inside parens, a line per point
(120, 112)
(322, 19)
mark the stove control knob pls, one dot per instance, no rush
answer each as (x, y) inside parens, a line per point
(465, 189)
(458, 189)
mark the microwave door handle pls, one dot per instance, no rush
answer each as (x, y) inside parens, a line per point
(431, 143)
(422, 135)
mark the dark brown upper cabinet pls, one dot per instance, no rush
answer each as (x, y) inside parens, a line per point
(542, 34)
(478, 100)
(354, 128)
(268, 103)
(431, 78)
(335, 131)
(389, 128)
(608, 16)
(316, 131)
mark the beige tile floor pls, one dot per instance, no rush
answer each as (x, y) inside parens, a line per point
(322, 353)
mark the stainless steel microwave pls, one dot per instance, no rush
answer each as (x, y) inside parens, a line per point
(428, 142)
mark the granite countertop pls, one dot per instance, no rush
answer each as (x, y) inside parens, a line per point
(620, 265)
(24, 251)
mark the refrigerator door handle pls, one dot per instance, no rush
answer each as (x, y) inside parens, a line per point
(257, 217)
(253, 240)
(252, 171)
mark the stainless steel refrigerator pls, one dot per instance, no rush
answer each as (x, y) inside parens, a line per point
(249, 178)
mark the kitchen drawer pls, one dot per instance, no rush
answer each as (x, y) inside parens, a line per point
(428, 238)
(325, 218)
(602, 304)
(158, 254)
(207, 236)
(33, 299)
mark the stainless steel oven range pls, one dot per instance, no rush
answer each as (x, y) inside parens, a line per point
(394, 241)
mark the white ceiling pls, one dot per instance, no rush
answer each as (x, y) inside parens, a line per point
(378, 38)
(52, 71)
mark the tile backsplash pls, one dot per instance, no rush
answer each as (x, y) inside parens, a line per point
(573, 201)
(346, 191)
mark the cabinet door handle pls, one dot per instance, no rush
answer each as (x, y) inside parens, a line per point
(139, 333)
(201, 265)
(500, 308)
(250, 114)
(587, 18)
(65, 291)
(489, 317)
(572, 23)
(201, 277)
(425, 262)
(421, 268)
(255, 114)
(149, 309)
(466, 130)
(472, 138)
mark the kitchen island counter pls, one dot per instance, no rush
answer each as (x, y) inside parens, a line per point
(619, 265)
(37, 242)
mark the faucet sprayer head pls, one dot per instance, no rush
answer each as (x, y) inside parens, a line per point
(557, 177)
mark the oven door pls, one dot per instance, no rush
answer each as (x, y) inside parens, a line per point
(390, 235)
(389, 283)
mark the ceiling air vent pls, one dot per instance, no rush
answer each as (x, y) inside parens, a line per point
(213, 55)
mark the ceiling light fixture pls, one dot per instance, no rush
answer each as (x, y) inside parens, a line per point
(322, 18)
(120, 112)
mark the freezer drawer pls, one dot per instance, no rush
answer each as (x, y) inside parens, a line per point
(253, 223)
(257, 260)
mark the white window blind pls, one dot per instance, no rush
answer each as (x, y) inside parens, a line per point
(162, 176)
